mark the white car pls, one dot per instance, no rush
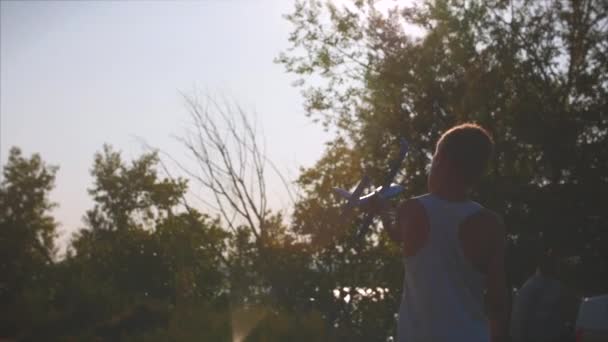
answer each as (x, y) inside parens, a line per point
(592, 320)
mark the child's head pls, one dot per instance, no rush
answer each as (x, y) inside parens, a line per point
(461, 155)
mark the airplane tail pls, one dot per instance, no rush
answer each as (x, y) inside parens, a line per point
(352, 197)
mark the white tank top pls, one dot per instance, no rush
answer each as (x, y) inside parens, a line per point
(442, 292)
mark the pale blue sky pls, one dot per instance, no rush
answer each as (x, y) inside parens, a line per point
(75, 75)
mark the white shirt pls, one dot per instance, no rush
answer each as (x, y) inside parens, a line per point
(442, 292)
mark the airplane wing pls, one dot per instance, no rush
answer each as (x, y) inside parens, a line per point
(354, 197)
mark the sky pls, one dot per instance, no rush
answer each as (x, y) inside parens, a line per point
(75, 75)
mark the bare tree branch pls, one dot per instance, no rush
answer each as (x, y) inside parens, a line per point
(183, 198)
(230, 154)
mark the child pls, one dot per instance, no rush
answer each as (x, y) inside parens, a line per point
(453, 249)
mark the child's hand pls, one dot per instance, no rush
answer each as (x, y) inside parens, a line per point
(376, 205)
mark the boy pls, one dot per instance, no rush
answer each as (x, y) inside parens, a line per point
(453, 248)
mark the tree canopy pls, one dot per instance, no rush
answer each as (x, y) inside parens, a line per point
(533, 73)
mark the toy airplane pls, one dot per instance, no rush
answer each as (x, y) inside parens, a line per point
(387, 190)
(392, 191)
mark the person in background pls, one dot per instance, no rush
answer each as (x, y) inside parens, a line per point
(543, 309)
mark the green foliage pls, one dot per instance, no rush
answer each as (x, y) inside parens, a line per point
(148, 259)
(25, 206)
(27, 231)
(339, 260)
(130, 196)
(147, 266)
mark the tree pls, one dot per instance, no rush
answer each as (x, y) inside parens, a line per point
(231, 163)
(27, 230)
(145, 264)
(232, 170)
(532, 72)
(130, 196)
(268, 267)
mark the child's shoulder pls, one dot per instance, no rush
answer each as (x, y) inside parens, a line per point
(413, 204)
(487, 222)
